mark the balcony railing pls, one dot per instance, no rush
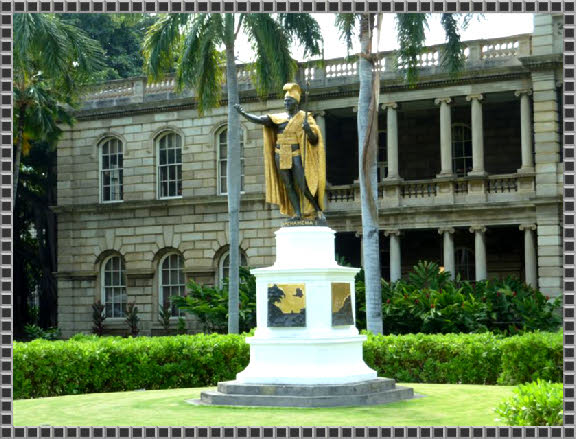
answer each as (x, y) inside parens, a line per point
(341, 194)
(418, 189)
(134, 90)
(498, 184)
(458, 190)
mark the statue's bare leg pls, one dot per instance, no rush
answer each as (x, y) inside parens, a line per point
(286, 177)
(300, 181)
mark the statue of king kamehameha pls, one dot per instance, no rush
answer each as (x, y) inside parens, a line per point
(294, 159)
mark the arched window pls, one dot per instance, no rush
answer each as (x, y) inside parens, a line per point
(114, 287)
(172, 280)
(224, 266)
(169, 159)
(464, 261)
(111, 170)
(222, 141)
(461, 149)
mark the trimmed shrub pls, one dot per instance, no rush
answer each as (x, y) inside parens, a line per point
(422, 358)
(87, 364)
(110, 364)
(538, 403)
(530, 356)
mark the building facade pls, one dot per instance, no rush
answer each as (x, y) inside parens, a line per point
(470, 176)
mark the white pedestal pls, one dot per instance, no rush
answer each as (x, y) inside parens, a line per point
(319, 352)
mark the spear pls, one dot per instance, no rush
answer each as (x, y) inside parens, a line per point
(306, 91)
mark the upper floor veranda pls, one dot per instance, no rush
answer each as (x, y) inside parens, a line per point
(490, 135)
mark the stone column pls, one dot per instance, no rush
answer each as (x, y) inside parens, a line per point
(526, 131)
(479, 251)
(392, 140)
(477, 136)
(395, 255)
(530, 267)
(448, 250)
(445, 137)
(321, 122)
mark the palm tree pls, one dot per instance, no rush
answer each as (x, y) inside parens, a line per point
(411, 38)
(190, 44)
(52, 60)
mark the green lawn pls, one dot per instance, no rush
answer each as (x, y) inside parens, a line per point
(453, 405)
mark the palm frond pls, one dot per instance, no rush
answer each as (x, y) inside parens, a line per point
(200, 63)
(23, 30)
(303, 30)
(162, 43)
(87, 54)
(39, 44)
(411, 37)
(127, 19)
(273, 64)
(346, 24)
(452, 57)
(47, 47)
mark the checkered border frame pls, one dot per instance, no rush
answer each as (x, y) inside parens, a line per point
(548, 6)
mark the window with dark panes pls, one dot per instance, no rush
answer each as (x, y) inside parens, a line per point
(172, 280)
(461, 149)
(169, 166)
(114, 287)
(111, 170)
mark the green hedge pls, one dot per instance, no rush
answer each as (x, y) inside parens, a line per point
(439, 358)
(530, 357)
(110, 364)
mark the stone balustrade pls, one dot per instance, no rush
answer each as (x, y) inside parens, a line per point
(319, 74)
(457, 190)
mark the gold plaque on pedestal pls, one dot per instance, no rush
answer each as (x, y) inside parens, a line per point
(286, 305)
(341, 304)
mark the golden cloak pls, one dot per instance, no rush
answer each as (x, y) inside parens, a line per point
(313, 158)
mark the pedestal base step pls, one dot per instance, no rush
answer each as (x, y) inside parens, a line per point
(372, 392)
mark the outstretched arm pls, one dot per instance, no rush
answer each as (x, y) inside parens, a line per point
(261, 120)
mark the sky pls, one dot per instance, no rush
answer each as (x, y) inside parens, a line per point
(488, 26)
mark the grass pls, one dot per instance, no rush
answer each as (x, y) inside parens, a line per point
(451, 405)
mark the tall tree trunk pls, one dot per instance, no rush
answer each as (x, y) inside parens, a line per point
(45, 224)
(21, 287)
(18, 153)
(367, 118)
(233, 172)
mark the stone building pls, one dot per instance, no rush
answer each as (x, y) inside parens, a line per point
(470, 173)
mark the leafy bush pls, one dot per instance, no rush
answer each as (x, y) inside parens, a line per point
(430, 302)
(88, 363)
(164, 314)
(98, 318)
(132, 319)
(182, 327)
(537, 403)
(210, 304)
(34, 332)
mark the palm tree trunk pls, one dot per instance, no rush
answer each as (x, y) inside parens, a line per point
(233, 172)
(367, 118)
(18, 156)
